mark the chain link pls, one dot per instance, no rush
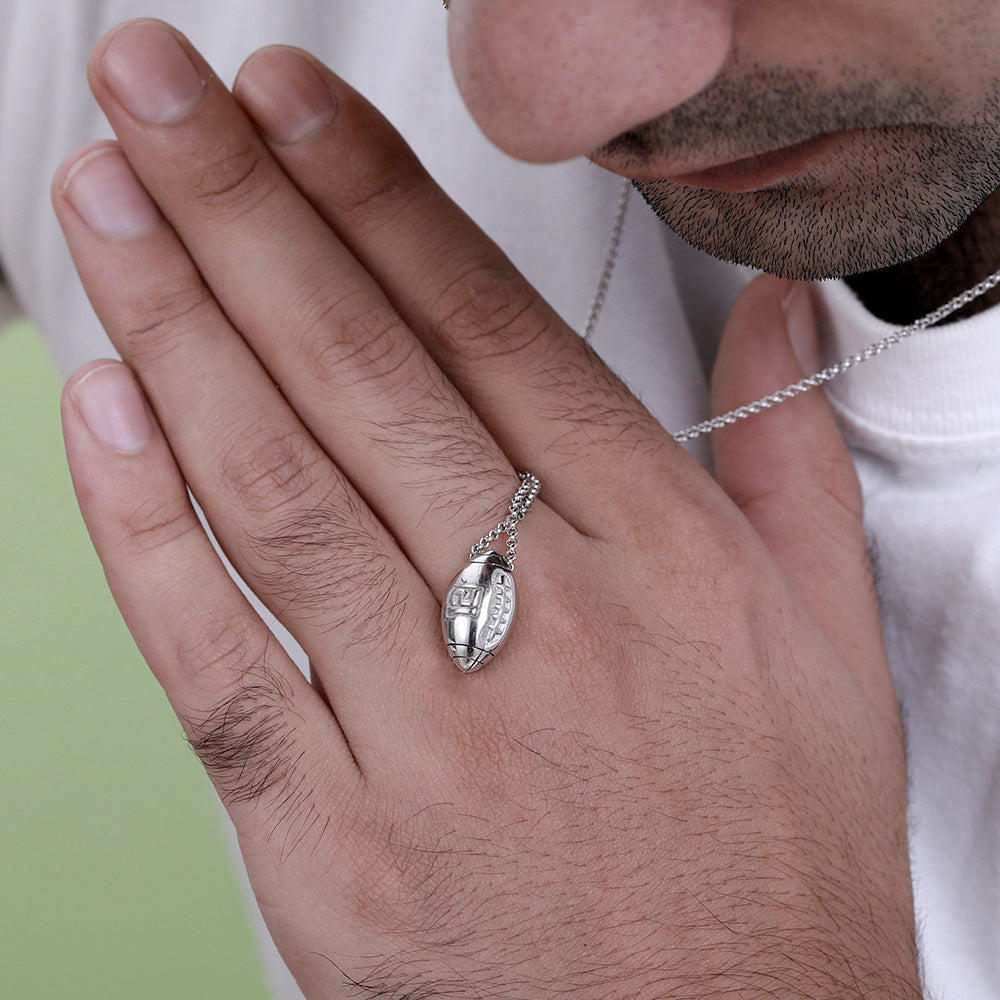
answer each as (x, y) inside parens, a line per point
(523, 499)
(851, 361)
(610, 260)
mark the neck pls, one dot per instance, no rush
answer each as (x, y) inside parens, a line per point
(904, 293)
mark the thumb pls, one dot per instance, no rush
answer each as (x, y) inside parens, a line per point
(789, 471)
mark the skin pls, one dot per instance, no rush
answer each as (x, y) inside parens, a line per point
(684, 776)
(905, 92)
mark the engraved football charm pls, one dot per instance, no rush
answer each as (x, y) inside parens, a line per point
(478, 611)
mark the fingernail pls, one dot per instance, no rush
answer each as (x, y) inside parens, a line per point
(286, 96)
(800, 320)
(151, 74)
(113, 408)
(108, 196)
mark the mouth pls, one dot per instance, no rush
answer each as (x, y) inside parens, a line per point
(762, 171)
(751, 173)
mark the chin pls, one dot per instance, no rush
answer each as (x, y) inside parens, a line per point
(857, 215)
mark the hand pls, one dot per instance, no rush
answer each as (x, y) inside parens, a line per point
(682, 776)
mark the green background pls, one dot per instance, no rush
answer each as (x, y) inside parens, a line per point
(115, 878)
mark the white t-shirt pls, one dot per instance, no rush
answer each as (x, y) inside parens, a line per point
(923, 421)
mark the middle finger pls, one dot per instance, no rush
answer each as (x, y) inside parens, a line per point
(326, 333)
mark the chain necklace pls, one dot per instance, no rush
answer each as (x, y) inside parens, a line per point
(523, 499)
(796, 388)
(608, 267)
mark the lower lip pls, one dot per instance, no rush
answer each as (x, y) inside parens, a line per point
(756, 172)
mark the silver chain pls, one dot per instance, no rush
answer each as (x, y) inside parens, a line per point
(610, 260)
(851, 361)
(523, 499)
(796, 388)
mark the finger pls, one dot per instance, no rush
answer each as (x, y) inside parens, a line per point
(544, 396)
(270, 745)
(789, 471)
(290, 523)
(326, 333)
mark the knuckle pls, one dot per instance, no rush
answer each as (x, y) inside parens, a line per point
(445, 456)
(267, 471)
(596, 410)
(167, 313)
(380, 182)
(376, 168)
(838, 487)
(357, 341)
(325, 561)
(492, 313)
(234, 182)
(362, 191)
(217, 649)
(158, 523)
(370, 606)
(246, 739)
(828, 499)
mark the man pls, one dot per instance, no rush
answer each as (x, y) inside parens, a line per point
(476, 39)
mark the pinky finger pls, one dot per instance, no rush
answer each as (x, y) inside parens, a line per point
(262, 732)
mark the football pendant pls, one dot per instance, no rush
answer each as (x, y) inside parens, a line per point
(478, 611)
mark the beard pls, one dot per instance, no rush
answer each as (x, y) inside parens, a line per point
(904, 172)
